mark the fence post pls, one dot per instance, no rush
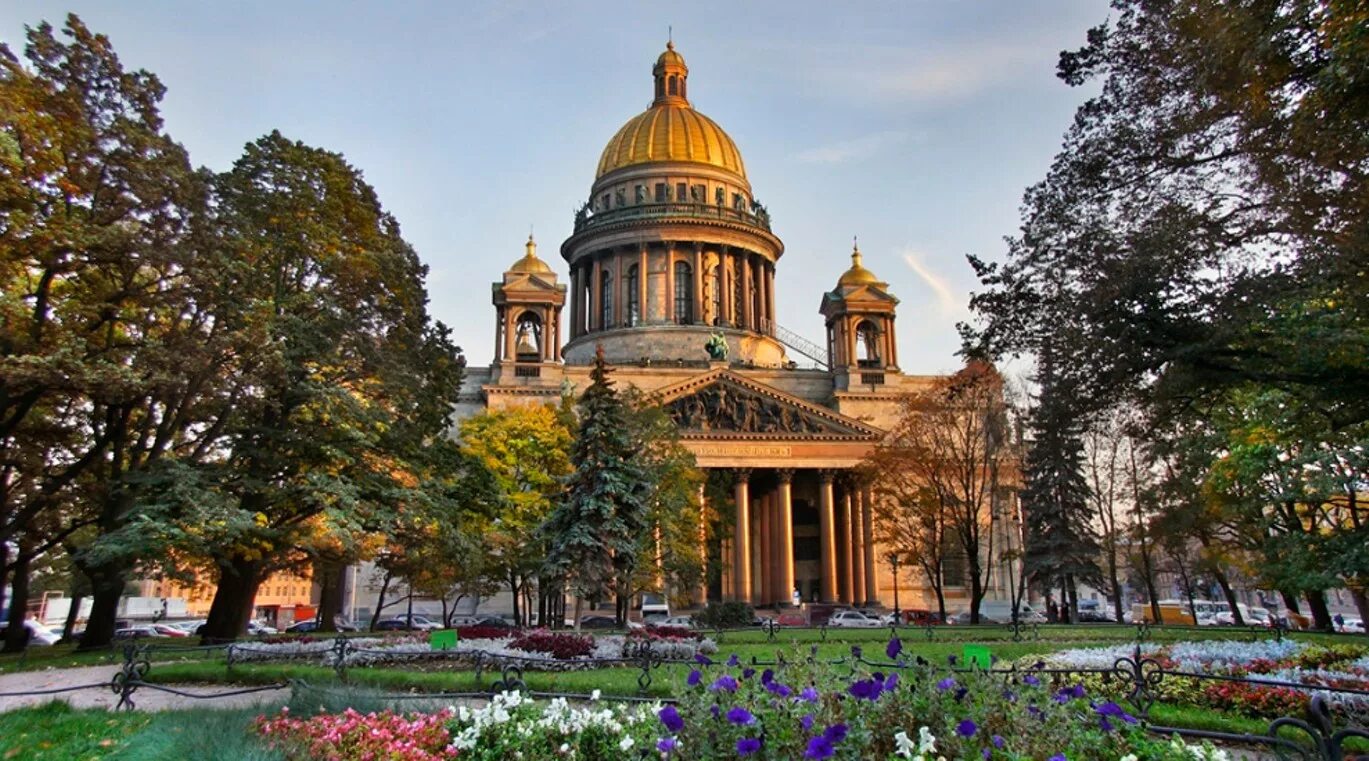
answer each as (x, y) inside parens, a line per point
(130, 675)
(341, 646)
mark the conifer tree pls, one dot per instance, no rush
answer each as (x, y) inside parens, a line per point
(594, 533)
(1061, 547)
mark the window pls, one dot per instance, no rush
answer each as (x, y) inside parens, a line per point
(639, 194)
(620, 197)
(737, 200)
(674, 86)
(660, 192)
(634, 306)
(680, 192)
(604, 203)
(698, 193)
(867, 344)
(719, 195)
(606, 299)
(684, 293)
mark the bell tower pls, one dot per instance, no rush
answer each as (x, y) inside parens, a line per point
(860, 328)
(527, 334)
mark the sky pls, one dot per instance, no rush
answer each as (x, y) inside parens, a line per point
(915, 125)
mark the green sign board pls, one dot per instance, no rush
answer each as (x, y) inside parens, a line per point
(443, 640)
(977, 656)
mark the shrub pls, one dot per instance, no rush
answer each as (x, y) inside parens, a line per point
(726, 615)
(559, 645)
(352, 735)
(482, 632)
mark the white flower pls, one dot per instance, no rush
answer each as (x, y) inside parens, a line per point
(625, 743)
(926, 742)
(905, 745)
(594, 695)
(1128, 757)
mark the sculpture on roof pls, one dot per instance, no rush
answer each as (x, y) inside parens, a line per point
(717, 347)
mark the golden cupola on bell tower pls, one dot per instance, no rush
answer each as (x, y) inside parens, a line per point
(527, 332)
(860, 327)
(672, 246)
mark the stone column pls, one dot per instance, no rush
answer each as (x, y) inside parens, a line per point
(767, 551)
(770, 290)
(786, 532)
(510, 334)
(857, 547)
(574, 287)
(742, 495)
(746, 318)
(643, 275)
(669, 313)
(844, 543)
(596, 300)
(867, 518)
(827, 539)
(498, 334)
(697, 317)
(703, 547)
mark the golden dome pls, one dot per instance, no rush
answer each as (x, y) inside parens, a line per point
(857, 275)
(530, 264)
(671, 130)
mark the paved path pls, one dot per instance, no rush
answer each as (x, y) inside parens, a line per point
(146, 699)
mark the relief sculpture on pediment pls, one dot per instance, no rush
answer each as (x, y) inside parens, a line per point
(723, 407)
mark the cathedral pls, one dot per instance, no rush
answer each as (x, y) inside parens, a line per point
(673, 267)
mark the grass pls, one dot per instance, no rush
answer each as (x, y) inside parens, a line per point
(58, 732)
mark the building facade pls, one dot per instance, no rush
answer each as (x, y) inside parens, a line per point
(673, 268)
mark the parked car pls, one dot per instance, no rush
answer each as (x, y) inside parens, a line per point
(683, 622)
(853, 619)
(1000, 612)
(406, 623)
(255, 629)
(598, 622)
(135, 632)
(39, 635)
(167, 630)
(499, 622)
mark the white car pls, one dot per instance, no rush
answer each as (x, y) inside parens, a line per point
(1351, 626)
(853, 619)
(39, 635)
(682, 622)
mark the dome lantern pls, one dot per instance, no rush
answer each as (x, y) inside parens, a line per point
(670, 73)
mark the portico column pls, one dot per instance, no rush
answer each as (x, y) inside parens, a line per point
(827, 539)
(596, 289)
(867, 509)
(857, 547)
(767, 546)
(642, 276)
(697, 317)
(787, 530)
(668, 314)
(742, 495)
(703, 547)
(844, 542)
(746, 321)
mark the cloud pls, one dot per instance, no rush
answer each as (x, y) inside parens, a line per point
(855, 149)
(947, 302)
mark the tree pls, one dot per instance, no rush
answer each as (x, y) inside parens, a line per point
(595, 531)
(948, 446)
(1060, 547)
(106, 356)
(526, 450)
(910, 517)
(1203, 227)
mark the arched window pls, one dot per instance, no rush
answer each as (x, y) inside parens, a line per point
(867, 344)
(606, 300)
(634, 306)
(528, 339)
(684, 293)
(674, 88)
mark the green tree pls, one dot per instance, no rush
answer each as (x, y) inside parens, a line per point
(596, 530)
(1060, 547)
(1203, 226)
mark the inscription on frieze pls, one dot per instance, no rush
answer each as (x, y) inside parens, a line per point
(741, 450)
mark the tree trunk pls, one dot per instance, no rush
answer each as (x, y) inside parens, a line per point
(17, 635)
(1230, 595)
(106, 589)
(73, 613)
(1290, 601)
(1073, 591)
(331, 575)
(380, 599)
(1321, 615)
(4, 571)
(1116, 582)
(232, 606)
(514, 588)
(577, 613)
(1361, 602)
(976, 591)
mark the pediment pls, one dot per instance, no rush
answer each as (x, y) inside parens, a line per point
(525, 281)
(725, 404)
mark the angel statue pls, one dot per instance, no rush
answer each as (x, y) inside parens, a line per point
(717, 346)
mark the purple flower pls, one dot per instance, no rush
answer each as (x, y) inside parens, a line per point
(1034, 711)
(733, 660)
(666, 745)
(895, 647)
(966, 728)
(748, 745)
(985, 753)
(950, 659)
(819, 748)
(740, 716)
(960, 694)
(856, 651)
(724, 683)
(890, 682)
(713, 709)
(1058, 757)
(694, 678)
(1031, 681)
(946, 684)
(806, 722)
(997, 741)
(670, 718)
(809, 695)
(1112, 709)
(866, 689)
(767, 676)
(835, 733)
(779, 690)
(748, 672)
(702, 659)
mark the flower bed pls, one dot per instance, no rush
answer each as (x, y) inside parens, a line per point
(559, 645)
(799, 710)
(1312, 666)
